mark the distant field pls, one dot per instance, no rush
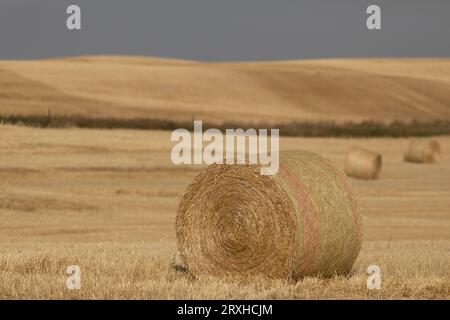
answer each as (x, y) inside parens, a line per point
(106, 200)
(281, 92)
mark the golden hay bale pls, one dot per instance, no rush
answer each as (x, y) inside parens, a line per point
(363, 164)
(232, 221)
(423, 151)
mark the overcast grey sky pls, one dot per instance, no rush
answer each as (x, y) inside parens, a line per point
(225, 30)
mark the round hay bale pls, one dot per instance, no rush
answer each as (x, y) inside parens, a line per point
(363, 164)
(233, 221)
(423, 151)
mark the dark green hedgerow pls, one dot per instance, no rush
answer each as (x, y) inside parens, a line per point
(294, 129)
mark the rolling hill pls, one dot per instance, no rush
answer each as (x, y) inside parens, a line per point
(126, 87)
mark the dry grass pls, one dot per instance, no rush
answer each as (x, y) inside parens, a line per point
(142, 270)
(89, 197)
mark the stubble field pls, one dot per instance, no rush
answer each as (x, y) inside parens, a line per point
(106, 200)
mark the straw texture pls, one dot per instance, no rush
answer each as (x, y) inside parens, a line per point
(363, 164)
(423, 151)
(232, 221)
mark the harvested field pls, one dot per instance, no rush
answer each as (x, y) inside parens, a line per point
(106, 200)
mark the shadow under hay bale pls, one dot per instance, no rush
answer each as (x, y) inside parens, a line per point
(363, 164)
(304, 221)
(178, 264)
(423, 151)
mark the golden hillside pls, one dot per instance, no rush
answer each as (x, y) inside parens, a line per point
(339, 90)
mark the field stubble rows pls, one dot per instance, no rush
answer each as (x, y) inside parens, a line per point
(106, 200)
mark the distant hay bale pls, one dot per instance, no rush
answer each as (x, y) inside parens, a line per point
(363, 164)
(232, 221)
(423, 151)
